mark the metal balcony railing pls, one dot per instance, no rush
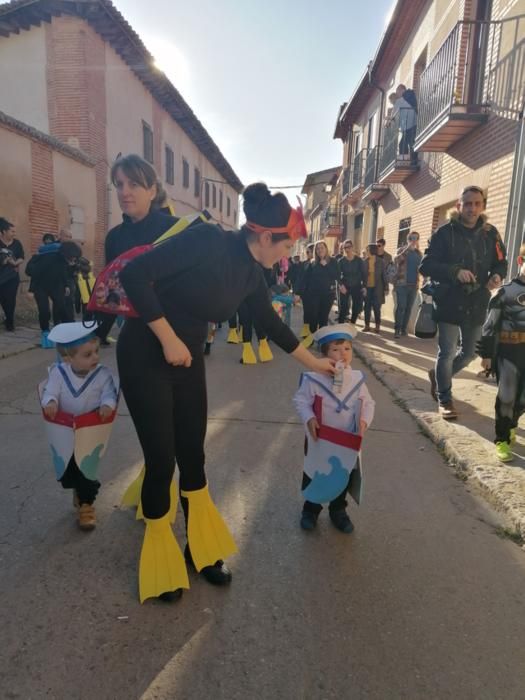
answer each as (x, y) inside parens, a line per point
(398, 138)
(358, 170)
(457, 76)
(371, 167)
(332, 216)
(346, 181)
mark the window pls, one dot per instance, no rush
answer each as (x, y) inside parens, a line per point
(196, 183)
(228, 206)
(206, 194)
(214, 196)
(220, 201)
(404, 229)
(77, 223)
(170, 165)
(185, 173)
(235, 216)
(147, 139)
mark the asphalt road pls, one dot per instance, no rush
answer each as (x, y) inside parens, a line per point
(423, 600)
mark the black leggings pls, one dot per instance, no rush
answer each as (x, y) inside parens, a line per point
(62, 312)
(319, 309)
(168, 406)
(86, 489)
(8, 300)
(248, 323)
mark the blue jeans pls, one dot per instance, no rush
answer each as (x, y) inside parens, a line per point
(453, 357)
(405, 298)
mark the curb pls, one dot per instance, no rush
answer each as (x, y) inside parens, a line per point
(471, 455)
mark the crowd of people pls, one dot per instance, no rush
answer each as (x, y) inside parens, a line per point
(204, 275)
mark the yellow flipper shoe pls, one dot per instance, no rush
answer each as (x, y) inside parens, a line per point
(132, 495)
(174, 499)
(305, 330)
(208, 536)
(307, 342)
(162, 568)
(233, 337)
(265, 354)
(248, 355)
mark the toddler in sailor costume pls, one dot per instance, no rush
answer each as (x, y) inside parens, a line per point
(336, 412)
(79, 402)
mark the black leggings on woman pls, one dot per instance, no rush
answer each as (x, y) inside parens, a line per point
(168, 406)
(319, 307)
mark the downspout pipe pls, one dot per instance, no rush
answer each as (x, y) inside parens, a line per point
(374, 84)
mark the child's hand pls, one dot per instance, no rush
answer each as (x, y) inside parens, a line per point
(105, 412)
(51, 409)
(313, 428)
(363, 427)
(486, 363)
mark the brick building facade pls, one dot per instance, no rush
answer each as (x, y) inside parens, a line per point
(465, 61)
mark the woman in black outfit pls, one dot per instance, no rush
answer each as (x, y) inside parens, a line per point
(11, 257)
(321, 278)
(202, 274)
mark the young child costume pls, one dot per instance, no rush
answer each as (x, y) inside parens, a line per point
(77, 434)
(503, 340)
(332, 464)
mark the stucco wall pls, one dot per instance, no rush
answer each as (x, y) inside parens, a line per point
(23, 77)
(15, 183)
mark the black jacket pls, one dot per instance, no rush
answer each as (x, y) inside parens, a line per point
(321, 279)
(202, 274)
(454, 247)
(128, 235)
(50, 273)
(352, 272)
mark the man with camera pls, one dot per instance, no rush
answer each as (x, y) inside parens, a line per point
(465, 261)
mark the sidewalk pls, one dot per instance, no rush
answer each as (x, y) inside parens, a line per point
(24, 338)
(402, 366)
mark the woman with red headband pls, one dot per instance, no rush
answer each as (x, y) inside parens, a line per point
(202, 274)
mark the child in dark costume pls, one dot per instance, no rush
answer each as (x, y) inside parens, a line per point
(502, 347)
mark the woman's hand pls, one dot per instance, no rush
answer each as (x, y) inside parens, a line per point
(176, 353)
(323, 365)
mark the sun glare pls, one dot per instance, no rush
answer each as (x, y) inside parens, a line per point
(170, 60)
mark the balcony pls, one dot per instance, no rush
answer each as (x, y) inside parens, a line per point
(346, 182)
(331, 223)
(373, 189)
(356, 179)
(396, 159)
(453, 93)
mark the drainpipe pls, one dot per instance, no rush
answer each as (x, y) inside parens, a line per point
(515, 230)
(374, 205)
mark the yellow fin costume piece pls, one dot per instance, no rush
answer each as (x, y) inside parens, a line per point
(307, 342)
(162, 568)
(174, 499)
(305, 330)
(248, 355)
(208, 535)
(265, 354)
(132, 495)
(232, 336)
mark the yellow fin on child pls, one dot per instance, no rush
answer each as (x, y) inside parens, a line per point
(208, 536)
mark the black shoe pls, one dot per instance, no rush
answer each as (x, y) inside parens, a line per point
(308, 520)
(218, 574)
(341, 521)
(171, 596)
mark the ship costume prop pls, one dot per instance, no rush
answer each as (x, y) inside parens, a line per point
(202, 275)
(333, 464)
(77, 434)
(503, 341)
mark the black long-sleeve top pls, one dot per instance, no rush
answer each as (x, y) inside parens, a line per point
(352, 272)
(202, 275)
(321, 279)
(128, 234)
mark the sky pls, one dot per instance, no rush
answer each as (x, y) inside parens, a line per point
(265, 77)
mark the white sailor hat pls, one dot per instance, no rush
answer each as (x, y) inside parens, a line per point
(70, 334)
(338, 331)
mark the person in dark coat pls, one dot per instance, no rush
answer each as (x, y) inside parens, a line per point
(11, 257)
(352, 283)
(300, 288)
(465, 261)
(320, 284)
(376, 287)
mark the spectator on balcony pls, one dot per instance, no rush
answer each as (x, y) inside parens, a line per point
(405, 110)
(390, 111)
(321, 278)
(465, 261)
(352, 283)
(406, 261)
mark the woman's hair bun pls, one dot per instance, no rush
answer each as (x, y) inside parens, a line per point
(263, 207)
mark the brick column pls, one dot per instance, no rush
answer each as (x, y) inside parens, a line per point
(43, 217)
